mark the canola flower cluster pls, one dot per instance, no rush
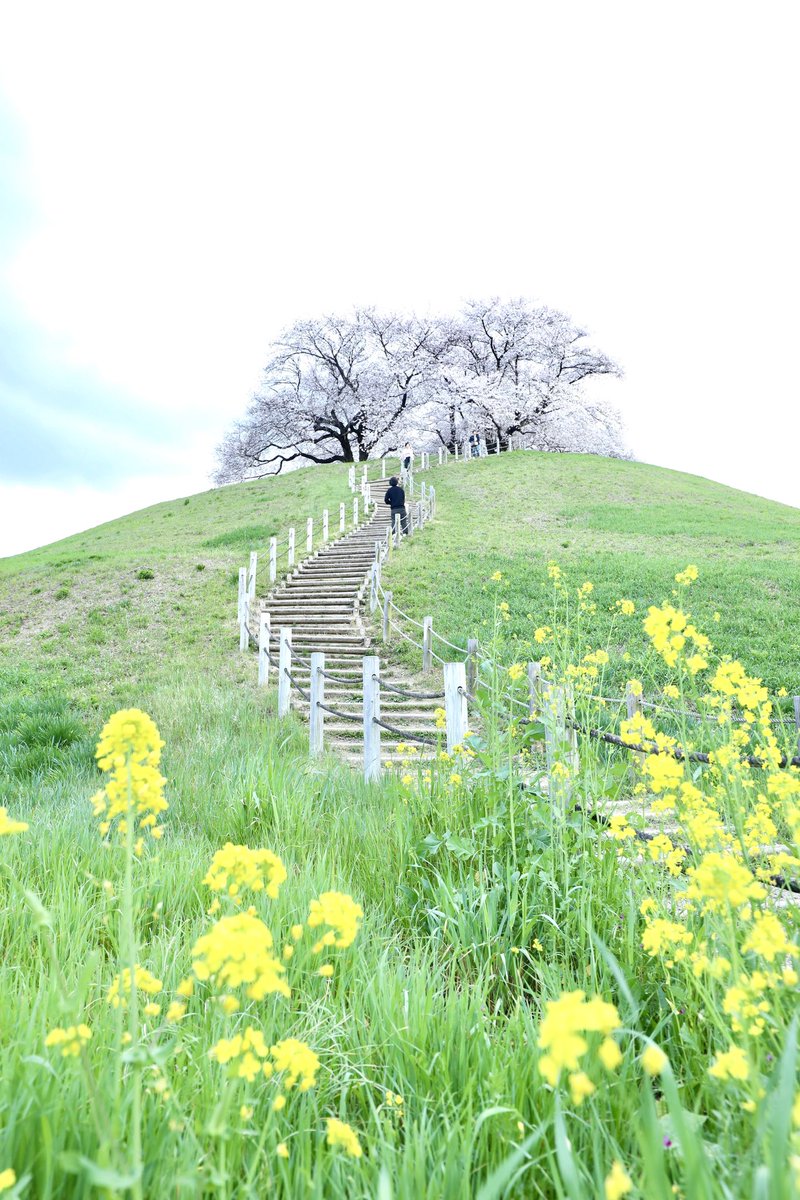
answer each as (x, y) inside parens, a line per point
(248, 1055)
(9, 826)
(562, 1037)
(236, 867)
(130, 751)
(69, 1040)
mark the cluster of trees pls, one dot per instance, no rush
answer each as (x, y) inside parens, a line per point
(344, 389)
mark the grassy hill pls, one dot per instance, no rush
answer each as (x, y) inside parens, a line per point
(479, 904)
(626, 527)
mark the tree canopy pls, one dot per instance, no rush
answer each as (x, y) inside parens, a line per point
(344, 389)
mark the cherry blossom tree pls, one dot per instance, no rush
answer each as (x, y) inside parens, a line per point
(344, 389)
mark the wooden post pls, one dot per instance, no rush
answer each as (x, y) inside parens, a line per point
(433, 501)
(316, 720)
(251, 579)
(309, 534)
(455, 451)
(273, 559)
(373, 587)
(284, 665)
(398, 529)
(355, 511)
(410, 509)
(291, 547)
(243, 606)
(455, 704)
(351, 478)
(427, 645)
(383, 466)
(796, 700)
(472, 665)
(549, 712)
(388, 553)
(324, 524)
(441, 454)
(633, 705)
(387, 601)
(534, 689)
(263, 650)
(341, 517)
(372, 712)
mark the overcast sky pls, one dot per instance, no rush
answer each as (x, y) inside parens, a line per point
(179, 181)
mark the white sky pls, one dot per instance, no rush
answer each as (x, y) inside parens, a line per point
(190, 178)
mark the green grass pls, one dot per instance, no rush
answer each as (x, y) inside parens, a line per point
(626, 527)
(439, 999)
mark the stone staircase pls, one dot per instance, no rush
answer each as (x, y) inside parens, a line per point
(322, 602)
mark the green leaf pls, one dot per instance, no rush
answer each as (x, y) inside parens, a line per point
(105, 1177)
(41, 917)
(493, 1187)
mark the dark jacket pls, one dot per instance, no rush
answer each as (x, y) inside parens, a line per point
(395, 497)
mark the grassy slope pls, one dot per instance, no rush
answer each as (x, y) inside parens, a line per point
(627, 527)
(450, 1044)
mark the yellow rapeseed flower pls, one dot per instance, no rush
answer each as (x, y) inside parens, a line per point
(282, 1150)
(580, 1086)
(342, 916)
(516, 671)
(120, 988)
(237, 867)
(236, 951)
(732, 1064)
(7, 1179)
(618, 1182)
(298, 1061)
(654, 1060)
(7, 826)
(341, 1134)
(130, 751)
(69, 1040)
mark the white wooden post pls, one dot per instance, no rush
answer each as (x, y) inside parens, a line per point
(372, 711)
(291, 547)
(324, 524)
(427, 644)
(534, 686)
(387, 600)
(316, 717)
(549, 711)
(263, 650)
(273, 559)
(398, 529)
(243, 608)
(355, 511)
(455, 451)
(373, 587)
(455, 704)
(341, 517)
(633, 705)
(284, 666)
(251, 579)
(309, 534)
(383, 467)
(351, 478)
(441, 454)
(472, 665)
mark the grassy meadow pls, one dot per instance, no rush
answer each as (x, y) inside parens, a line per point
(487, 891)
(628, 528)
